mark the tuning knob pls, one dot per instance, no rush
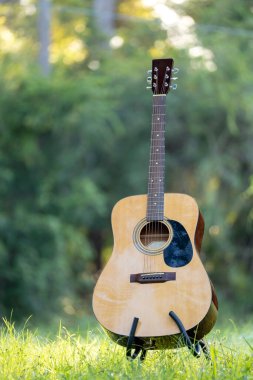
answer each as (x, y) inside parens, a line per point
(173, 86)
(175, 70)
(149, 72)
(149, 80)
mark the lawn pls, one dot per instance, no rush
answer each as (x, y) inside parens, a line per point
(26, 354)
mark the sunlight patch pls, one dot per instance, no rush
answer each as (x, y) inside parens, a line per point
(116, 42)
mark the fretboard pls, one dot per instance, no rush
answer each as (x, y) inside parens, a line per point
(155, 204)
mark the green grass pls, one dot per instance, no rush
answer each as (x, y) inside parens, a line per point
(25, 354)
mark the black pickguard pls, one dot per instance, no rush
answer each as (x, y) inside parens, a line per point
(179, 252)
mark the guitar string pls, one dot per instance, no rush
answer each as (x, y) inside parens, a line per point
(151, 179)
(155, 129)
(154, 155)
(155, 117)
(154, 228)
(151, 182)
(160, 169)
(156, 133)
(151, 171)
(161, 190)
(148, 205)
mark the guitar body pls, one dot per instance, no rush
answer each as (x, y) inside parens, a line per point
(121, 294)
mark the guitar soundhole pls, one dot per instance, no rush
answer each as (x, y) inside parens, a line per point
(152, 237)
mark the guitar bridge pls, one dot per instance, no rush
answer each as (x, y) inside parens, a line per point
(153, 277)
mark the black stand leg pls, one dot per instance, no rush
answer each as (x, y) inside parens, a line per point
(134, 343)
(205, 349)
(194, 347)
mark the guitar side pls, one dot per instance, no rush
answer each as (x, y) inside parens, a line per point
(116, 300)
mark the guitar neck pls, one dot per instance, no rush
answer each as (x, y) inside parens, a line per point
(155, 204)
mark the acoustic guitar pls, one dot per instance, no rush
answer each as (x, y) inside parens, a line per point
(154, 285)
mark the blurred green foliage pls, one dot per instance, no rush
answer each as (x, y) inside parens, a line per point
(75, 142)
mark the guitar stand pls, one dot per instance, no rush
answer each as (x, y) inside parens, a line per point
(136, 343)
(138, 347)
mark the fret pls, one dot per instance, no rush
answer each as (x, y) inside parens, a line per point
(153, 213)
(152, 210)
(155, 208)
(157, 198)
(156, 205)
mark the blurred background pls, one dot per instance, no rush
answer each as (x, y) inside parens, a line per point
(75, 119)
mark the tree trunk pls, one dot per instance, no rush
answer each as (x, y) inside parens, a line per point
(104, 11)
(44, 19)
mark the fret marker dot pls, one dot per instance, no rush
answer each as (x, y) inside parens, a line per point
(156, 163)
(158, 118)
(155, 195)
(160, 180)
(157, 150)
(154, 203)
(157, 135)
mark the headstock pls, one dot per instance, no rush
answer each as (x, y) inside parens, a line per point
(161, 76)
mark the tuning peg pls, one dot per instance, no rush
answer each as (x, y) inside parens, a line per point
(149, 71)
(173, 86)
(149, 80)
(148, 87)
(174, 78)
(175, 70)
